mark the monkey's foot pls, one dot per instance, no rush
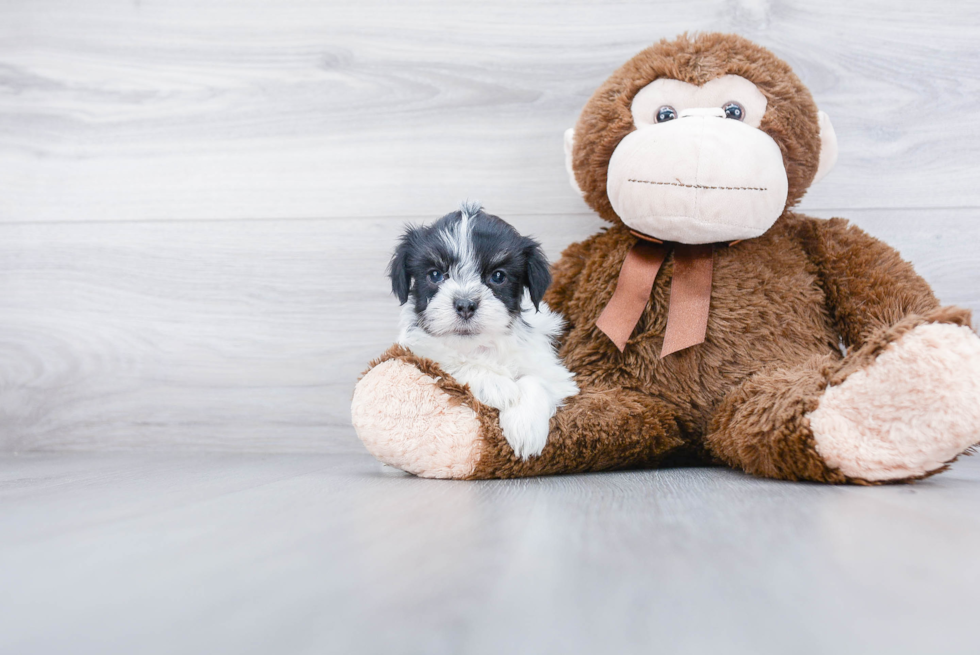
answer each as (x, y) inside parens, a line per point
(414, 417)
(909, 412)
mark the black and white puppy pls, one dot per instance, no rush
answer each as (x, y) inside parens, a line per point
(471, 287)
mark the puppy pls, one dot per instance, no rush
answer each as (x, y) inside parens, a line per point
(471, 287)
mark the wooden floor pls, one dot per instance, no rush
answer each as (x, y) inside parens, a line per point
(129, 553)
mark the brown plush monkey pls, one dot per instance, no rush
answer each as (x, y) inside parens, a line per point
(695, 151)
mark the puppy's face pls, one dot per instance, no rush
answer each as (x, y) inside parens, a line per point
(467, 272)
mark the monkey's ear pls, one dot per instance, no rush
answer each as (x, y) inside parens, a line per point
(828, 147)
(401, 279)
(569, 145)
(538, 275)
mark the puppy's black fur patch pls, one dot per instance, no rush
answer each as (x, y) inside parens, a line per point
(494, 247)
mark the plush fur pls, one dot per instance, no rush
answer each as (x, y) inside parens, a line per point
(770, 390)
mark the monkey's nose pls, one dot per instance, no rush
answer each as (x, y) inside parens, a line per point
(465, 307)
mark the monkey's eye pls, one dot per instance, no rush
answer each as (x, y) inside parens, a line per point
(734, 110)
(435, 276)
(498, 277)
(666, 113)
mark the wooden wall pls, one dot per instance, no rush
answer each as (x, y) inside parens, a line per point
(198, 198)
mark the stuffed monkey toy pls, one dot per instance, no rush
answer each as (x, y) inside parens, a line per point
(710, 323)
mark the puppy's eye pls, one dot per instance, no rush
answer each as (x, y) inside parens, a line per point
(666, 113)
(498, 277)
(734, 110)
(436, 276)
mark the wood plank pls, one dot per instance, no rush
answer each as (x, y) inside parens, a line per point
(298, 109)
(249, 335)
(208, 553)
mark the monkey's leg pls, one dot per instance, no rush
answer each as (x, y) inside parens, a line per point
(413, 416)
(899, 408)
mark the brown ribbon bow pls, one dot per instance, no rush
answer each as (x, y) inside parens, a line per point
(690, 293)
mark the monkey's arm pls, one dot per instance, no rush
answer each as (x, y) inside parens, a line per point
(869, 286)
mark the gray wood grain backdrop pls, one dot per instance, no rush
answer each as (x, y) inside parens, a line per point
(198, 199)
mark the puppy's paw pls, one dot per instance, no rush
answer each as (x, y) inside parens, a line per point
(495, 390)
(525, 427)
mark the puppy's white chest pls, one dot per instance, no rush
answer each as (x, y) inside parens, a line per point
(486, 352)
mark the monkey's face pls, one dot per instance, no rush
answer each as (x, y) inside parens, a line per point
(698, 169)
(697, 161)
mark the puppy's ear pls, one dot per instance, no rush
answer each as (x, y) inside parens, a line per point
(401, 279)
(538, 275)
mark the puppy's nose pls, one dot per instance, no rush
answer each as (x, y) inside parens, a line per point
(465, 307)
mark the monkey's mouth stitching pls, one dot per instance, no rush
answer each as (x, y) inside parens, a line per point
(701, 186)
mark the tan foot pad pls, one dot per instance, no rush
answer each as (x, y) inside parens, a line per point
(407, 421)
(914, 409)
